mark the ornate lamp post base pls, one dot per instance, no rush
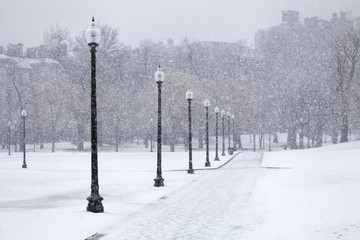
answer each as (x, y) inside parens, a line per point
(216, 158)
(159, 182)
(24, 166)
(190, 171)
(95, 204)
(207, 164)
(223, 154)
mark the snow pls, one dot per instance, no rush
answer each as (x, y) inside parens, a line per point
(301, 194)
(313, 193)
(211, 207)
(48, 199)
(25, 63)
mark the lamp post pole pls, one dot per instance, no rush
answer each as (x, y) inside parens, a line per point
(151, 134)
(207, 105)
(234, 145)
(159, 181)
(23, 113)
(189, 96)
(229, 149)
(223, 132)
(93, 36)
(217, 130)
(9, 143)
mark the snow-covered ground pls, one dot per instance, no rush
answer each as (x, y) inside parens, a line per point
(48, 199)
(307, 194)
(312, 194)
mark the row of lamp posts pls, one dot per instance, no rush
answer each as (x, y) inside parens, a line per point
(93, 36)
(159, 181)
(189, 97)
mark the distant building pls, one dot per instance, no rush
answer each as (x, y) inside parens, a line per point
(261, 39)
(311, 22)
(170, 42)
(15, 50)
(37, 52)
(42, 52)
(290, 17)
(292, 29)
(216, 48)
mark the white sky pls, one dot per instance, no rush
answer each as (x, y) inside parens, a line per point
(213, 20)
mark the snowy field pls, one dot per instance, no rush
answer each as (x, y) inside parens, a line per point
(307, 194)
(48, 199)
(313, 193)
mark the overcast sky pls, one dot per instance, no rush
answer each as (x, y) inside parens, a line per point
(25, 21)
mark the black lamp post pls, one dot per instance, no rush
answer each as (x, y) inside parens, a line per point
(189, 96)
(207, 105)
(93, 36)
(217, 110)
(151, 134)
(229, 149)
(159, 78)
(223, 132)
(23, 114)
(234, 145)
(9, 143)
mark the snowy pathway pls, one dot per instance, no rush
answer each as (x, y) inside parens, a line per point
(214, 207)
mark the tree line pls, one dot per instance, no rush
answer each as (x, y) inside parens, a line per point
(301, 80)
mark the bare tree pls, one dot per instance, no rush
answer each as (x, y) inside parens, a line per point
(346, 57)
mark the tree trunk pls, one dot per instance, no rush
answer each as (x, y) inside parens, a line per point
(146, 142)
(319, 135)
(334, 136)
(81, 137)
(301, 142)
(344, 128)
(269, 142)
(201, 141)
(15, 140)
(291, 139)
(53, 137)
(172, 146)
(186, 144)
(264, 141)
(275, 139)
(117, 144)
(254, 142)
(240, 145)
